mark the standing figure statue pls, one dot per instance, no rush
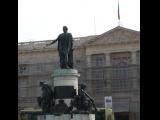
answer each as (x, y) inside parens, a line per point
(65, 48)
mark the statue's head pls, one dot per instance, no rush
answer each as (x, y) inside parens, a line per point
(65, 29)
(82, 86)
(41, 83)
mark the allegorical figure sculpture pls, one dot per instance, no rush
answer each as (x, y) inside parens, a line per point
(61, 107)
(46, 101)
(83, 102)
(65, 48)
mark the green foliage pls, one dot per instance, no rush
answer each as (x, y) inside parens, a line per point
(104, 114)
(33, 117)
(100, 115)
(28, 117)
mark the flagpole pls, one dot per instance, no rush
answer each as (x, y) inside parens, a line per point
(119, 24)
(118, 15)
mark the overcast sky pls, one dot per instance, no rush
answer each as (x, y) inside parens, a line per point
(43, 19)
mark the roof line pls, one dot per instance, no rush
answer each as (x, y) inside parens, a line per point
(43, 41)
(117, 27)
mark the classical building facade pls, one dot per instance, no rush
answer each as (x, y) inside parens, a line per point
(108, 63)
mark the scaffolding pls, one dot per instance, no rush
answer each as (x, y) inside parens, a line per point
(101, 80)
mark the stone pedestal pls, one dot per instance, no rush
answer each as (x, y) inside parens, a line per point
(65, 88)
(65, 80)
(68, 117)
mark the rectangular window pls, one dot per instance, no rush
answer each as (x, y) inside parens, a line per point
(98, 60)
(22, 68)
(121, 59)
(98, 81)
(120, 72)
(97, 74)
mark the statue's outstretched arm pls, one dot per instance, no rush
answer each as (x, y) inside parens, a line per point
(54, 41)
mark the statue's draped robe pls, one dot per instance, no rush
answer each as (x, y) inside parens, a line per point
(65, 44)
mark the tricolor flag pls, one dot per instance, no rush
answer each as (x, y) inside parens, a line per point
(118, 11)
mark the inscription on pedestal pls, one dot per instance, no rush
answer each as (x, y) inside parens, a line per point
(64, 92)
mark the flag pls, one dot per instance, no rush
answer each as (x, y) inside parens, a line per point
(118, 11)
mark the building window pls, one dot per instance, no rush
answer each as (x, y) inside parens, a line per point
(97, 74)
(98, 60)
(120, 71)
(121, 59)
(98, 81)
(22, 68)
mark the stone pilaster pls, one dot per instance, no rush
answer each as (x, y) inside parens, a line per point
(108, 62)
(133, 57)
(88, 60)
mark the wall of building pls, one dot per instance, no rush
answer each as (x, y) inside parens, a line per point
(38, 64)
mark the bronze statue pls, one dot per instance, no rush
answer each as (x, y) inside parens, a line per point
(60, 108)
(65, 48)
(83, 102)
(46, 101)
